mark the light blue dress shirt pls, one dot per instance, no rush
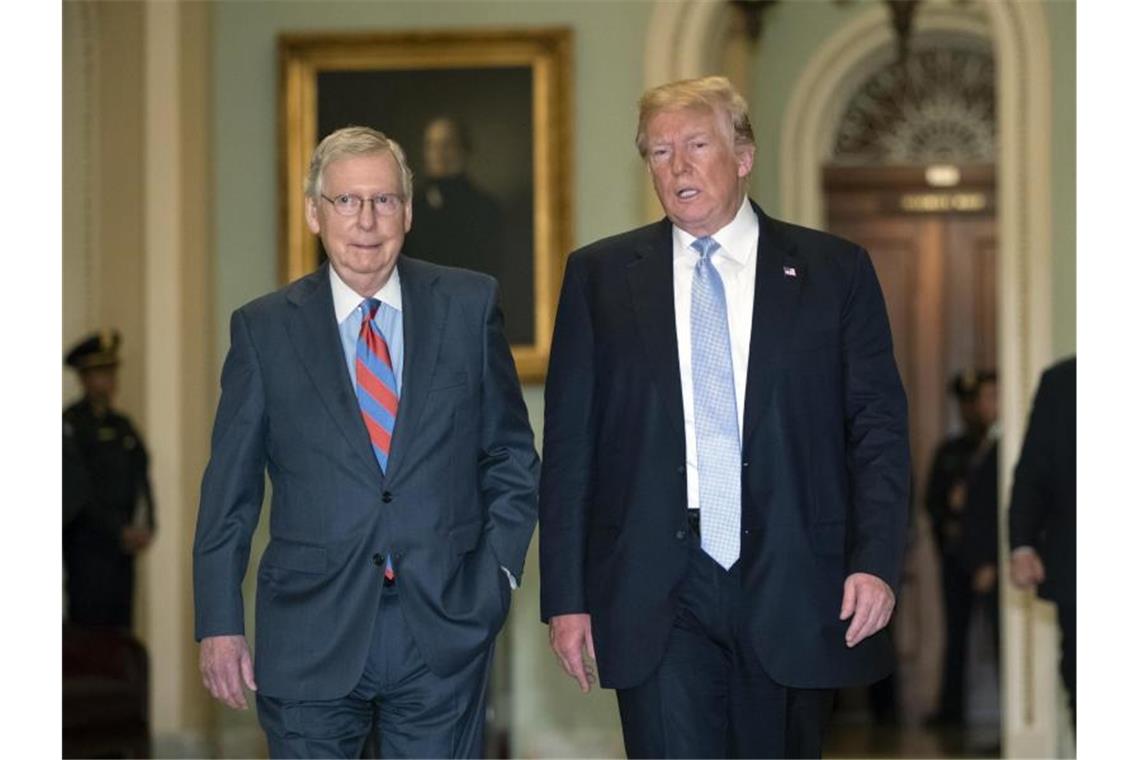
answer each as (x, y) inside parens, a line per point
(389, 319)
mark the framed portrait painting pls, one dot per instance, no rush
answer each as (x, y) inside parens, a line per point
(484, 118)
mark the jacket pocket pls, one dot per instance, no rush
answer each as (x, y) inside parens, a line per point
(290, 555)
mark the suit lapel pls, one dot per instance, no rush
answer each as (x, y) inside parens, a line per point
(651, 282)
(423, 317)
(779, 278)
(313, 331)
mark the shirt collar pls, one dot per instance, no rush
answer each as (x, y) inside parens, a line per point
(346, 300)
(737, 238)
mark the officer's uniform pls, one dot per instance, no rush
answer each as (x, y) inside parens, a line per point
(105, 489)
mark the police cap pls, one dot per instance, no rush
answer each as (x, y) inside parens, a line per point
(964, 385)
(99, 349)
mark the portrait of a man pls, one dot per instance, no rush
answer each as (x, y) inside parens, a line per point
(473, 166)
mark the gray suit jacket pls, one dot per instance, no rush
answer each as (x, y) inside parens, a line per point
(458, 500)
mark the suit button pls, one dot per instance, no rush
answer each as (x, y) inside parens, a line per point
(680, 535)
(386, 497)
(681, 470)
(377, 560)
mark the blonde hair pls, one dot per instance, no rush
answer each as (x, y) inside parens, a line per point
(355, 141)
(712, 93)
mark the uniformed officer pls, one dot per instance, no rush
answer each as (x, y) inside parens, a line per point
(108, 508)
(958, 461)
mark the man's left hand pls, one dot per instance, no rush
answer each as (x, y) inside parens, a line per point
(869, 602)
(1025, 568)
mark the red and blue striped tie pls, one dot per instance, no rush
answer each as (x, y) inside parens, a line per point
(376, 391)
(375, 383)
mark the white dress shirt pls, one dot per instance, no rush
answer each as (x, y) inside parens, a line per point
(735, 262)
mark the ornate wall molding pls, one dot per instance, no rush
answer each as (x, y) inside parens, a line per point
(1021, 46)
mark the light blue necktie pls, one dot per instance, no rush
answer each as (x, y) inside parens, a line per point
(714, 407)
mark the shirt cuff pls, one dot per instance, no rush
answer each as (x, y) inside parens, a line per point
(511, 578)
(1022, 550)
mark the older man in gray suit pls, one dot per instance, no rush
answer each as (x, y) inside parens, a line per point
(380, 395)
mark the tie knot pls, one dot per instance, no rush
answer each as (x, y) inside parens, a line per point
(705, 246)
(369, 307)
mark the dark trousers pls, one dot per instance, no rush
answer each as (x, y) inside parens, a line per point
(990, 604)
(958, 601)
(100, 583)
(1067, 617)
(710, 696)
(416, 713)
(882, 696)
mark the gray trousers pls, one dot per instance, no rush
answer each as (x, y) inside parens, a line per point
(416, 713)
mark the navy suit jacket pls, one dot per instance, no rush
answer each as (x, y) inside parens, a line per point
(458, 501)
(825, 456)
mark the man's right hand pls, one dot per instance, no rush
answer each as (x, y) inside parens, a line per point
(225, 664)
(569, 635)
(985, 578)
(956, 499)
(134, 540)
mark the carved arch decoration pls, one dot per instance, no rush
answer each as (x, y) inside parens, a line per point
(936, 107)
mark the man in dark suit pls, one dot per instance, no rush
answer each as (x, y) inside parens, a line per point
(380, 394)
(1043, 509)
(724, 488)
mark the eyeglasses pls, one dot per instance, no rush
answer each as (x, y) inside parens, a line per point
(383, 204)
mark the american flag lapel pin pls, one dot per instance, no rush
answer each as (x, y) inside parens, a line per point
(789, 271)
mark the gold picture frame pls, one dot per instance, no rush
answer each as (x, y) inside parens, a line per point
(511, 90)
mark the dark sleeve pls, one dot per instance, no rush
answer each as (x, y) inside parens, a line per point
(567, 453)
(508, 463)
(76, 481)
(82, 503)
(1032, 491)
(878, 450)
(143, 488)
(938, 486)
(980, 516)
(232, 490)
